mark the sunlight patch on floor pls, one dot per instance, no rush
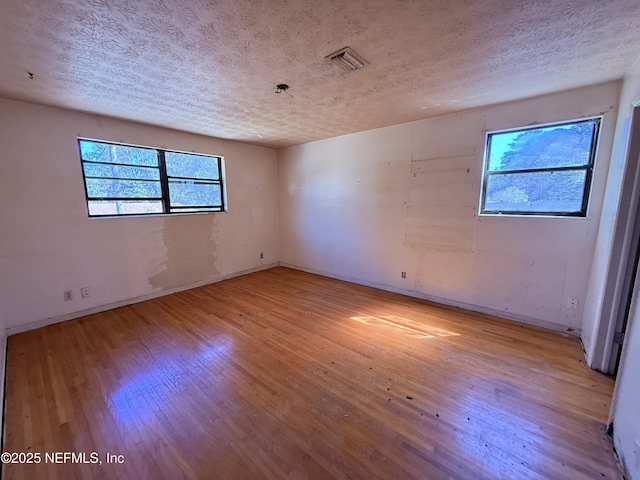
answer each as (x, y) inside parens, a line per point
(406, 326)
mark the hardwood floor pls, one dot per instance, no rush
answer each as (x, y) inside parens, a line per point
(283, 374)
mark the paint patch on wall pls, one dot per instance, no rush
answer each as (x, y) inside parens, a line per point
(191, 251)
(441, 214)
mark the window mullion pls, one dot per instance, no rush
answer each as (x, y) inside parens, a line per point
(221, 184)
(164, 182)
(571, 168)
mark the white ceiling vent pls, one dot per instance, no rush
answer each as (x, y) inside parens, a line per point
(347, 59)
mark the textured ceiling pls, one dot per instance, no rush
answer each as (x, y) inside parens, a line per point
(211, 66)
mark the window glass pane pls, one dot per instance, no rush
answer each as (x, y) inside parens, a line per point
(124, 207)
(535, 192)
(109, 153)
(191, 166)
(120, 171)
(125, 180)
(97, 188)
(194, 193)
(545, 147)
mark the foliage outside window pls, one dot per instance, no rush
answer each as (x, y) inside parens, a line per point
(124, 180)
(543, 170)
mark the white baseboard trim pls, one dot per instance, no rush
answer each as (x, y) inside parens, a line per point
(25, 327)
(576, 332)
(13, 330)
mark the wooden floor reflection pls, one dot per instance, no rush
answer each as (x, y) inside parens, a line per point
(283, 374)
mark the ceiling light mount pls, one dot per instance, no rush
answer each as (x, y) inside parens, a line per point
(347, 59)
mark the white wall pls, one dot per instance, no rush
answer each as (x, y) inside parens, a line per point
(365, 207)
(3, 359)
(48, 244)
(625, 411)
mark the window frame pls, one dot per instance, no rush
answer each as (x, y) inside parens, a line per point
(588, 168)
(163, 182)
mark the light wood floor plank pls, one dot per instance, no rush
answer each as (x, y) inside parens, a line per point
(284, 374)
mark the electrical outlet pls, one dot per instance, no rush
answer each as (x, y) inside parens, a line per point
(67, 295)
(572, 303)
(84, 291)
(403, 274)
(261, 255)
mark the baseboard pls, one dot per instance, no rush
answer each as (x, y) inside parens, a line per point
(445, 301)
(103, 308)
(410, 293)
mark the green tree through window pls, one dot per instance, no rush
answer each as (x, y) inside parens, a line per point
(543, 170)
(126, 180)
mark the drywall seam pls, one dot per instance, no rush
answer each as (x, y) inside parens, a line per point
(445, 301)
(103, 308)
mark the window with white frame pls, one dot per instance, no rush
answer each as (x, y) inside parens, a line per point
(125, 180)
(545, 170)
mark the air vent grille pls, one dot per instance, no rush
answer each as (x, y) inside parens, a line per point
(347, 59)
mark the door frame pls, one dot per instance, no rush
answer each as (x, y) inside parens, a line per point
(625, 248)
